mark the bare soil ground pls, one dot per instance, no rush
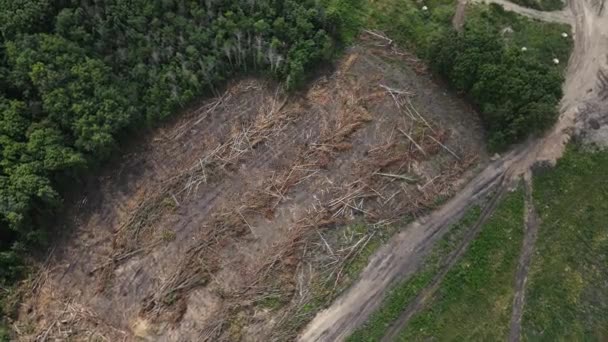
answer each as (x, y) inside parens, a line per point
(584, 114)
(223, 222)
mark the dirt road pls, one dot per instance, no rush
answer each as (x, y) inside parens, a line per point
(531, 221)
(583, 96)
(564, 16)
(429, 291)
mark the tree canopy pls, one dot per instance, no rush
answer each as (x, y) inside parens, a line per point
(516, 94)
(77, 75)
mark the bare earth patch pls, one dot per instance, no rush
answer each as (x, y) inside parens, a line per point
(229, 221)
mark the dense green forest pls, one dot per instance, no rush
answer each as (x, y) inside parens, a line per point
(77, 76)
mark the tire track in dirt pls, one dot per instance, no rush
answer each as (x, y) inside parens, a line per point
(404, 252)
(427, 294)
(327, 138)
(531, 225)
(401, 257)
(164, 268)
(227, 179)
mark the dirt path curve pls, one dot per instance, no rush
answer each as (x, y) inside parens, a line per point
(459, 15)
(564, 16)
(531, 224)
(428, 292)
(399, 258)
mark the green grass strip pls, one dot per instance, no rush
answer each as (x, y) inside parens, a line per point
(567, 294)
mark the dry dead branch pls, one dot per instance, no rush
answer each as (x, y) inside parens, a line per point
(396, 91)
(413, 108)
(402, 177)
(445, 147)
(413, 141)
(380, 36)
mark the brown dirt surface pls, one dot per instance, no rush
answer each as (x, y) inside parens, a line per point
(220, 225)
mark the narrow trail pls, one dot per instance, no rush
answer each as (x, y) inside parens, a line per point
(459, 15)
(429, 291)
(401, 257)
(531, 224)
(563, 16)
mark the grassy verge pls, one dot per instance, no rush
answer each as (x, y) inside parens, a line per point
(567, 295)
(403, 293)
(411, 27)
(474, 300)
(542, 5)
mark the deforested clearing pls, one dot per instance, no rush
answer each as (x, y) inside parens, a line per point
(243, 217)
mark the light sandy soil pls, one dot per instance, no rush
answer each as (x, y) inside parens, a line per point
(584, 100)
(222, 224)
